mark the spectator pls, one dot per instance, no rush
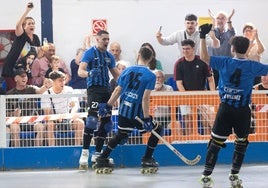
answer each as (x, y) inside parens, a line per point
(162, 114)
(256, 47)
(155, 64)
(77, 82)
(191, 74)
(41, 65)
(25, 107)
(190, 32)
(115, 49)
(54, 66)
(26, 62)
(25, 37)
(61, 105)
(224, 32)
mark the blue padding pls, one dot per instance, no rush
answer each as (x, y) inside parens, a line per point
(126, 155)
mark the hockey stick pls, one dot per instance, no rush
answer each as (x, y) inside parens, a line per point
(184, 159)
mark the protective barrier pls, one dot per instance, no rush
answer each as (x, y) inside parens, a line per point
(190, 123)
(202, 106)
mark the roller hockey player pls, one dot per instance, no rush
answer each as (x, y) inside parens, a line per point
(234, 114)
(135, 84)
(95, 64)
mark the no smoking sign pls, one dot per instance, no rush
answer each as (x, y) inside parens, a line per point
(98, 24)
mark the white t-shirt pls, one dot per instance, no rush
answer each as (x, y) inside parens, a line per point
(179, 36)
(62, 104)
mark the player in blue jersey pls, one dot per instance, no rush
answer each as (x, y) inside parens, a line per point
(234, 114)
(134, 88)
(95, 64)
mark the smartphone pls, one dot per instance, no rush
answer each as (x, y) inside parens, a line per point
(160, 28)
(30, 5)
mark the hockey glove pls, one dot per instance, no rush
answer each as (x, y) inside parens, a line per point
(105, 110)
(94, 72)
(204, 29)
(148, 124)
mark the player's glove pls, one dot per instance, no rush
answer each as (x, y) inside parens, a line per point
(204, 29)
(148, 124)
(105, 110)
(94, 72)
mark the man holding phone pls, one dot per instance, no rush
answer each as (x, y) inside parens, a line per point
(190, 32)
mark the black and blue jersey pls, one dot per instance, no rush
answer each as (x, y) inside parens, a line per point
(236, 78)
(134, 81)
(100, 60)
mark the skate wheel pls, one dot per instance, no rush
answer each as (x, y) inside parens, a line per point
(99, 171)
(155, 170)
(93, 166)
(151, 170)
(106, 170)
(142, 171)
(147, 171)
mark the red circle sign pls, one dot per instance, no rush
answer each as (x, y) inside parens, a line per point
(98, 25)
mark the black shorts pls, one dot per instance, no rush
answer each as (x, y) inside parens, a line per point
(230, 119)
(96, 95)
(128, 125)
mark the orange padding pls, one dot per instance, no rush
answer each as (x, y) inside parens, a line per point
(174, 99)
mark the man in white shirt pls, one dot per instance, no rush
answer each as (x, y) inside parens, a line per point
(61, 105)
(190, 32)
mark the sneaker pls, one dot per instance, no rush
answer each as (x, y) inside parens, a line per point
(235, 181)
(84, 157)
(206, 181)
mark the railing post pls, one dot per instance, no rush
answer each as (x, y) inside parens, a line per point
(3, 136)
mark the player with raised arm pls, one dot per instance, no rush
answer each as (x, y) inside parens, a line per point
(234, 115)
(134, 88)
(95, 64)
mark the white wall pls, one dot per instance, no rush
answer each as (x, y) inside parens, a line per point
(132, 22)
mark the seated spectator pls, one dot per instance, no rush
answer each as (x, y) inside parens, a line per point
(17, 107)
(162, 114)
(77, 82)
(41, 65)
(61, 105)
(26, 62)
(155, 63)
(54, 66)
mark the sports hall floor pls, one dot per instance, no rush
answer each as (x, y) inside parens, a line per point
(253, 176)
